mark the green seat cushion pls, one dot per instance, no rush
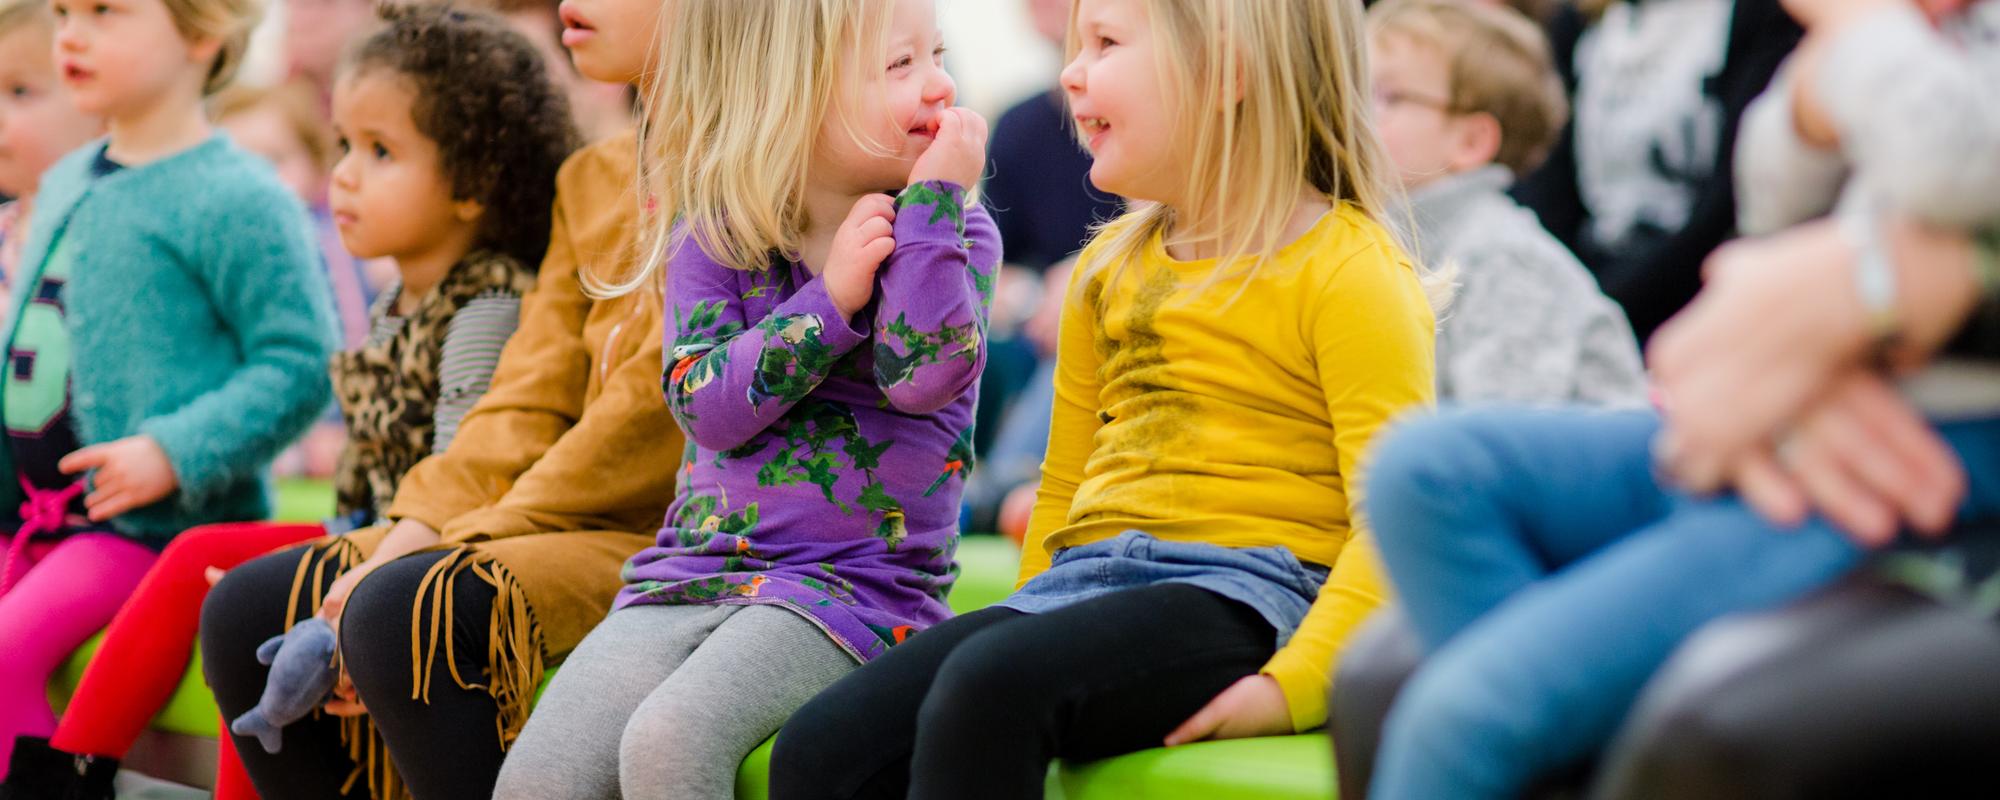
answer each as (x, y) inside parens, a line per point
(1276, 768)
(190, 711)
(987, 567)
(753, 778)
(303, 500)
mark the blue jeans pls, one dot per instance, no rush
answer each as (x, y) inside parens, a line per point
(1549, 574)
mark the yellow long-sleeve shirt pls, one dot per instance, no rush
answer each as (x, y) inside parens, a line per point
(1239, 419)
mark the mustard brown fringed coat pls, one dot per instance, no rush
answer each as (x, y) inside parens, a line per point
(558, 475)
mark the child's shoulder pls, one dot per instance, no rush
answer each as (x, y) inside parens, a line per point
(1348, 238)
(251, 178)
(219, 181)
(607, 168)
(487, 271)
(70, 170)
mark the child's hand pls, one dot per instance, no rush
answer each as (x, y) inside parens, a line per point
(132, 472)
(345, 702)
(1253, 706)
(958, 154)
(863, 241)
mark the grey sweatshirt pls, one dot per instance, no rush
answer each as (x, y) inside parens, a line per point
(1528, 324)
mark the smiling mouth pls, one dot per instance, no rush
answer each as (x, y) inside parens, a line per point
(1093, 128)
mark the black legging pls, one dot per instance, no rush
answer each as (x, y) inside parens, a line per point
(446, 748)
(1867, 691)
(977, 706)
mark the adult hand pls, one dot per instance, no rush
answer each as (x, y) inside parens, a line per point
(1779, 318)
(1864, 458)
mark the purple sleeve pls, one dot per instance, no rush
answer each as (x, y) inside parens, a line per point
(930, 318)
(728, 379)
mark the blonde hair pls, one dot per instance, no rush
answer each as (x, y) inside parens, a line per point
(1275, 95)
(18, 14)
(739, 91)
(227, 21)
(1498, 63)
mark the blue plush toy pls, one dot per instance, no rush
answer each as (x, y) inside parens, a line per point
(302, 676)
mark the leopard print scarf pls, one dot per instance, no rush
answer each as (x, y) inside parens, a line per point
(388, 388)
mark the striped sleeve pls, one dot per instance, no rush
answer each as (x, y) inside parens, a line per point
(471, 351)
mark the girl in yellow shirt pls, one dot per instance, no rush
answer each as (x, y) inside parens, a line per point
(1228, 349)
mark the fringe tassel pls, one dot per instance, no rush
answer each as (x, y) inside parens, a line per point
(514, 651)
(317, 568)
(320, 563)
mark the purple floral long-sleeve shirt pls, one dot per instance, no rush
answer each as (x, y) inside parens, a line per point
(825, 460)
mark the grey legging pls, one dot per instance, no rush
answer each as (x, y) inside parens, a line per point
(665, 701)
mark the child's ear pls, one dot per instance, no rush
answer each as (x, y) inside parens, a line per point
(204, 50)
(1477, 141)
(468, 211)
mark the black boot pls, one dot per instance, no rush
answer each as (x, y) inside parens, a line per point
(40, 772)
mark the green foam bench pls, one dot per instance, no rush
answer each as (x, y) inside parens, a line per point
(1278, 768)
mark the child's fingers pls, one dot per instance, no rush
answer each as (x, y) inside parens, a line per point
(975, 125)
(346, 702)
(101, 505)
(84, 458)
(876, 228)
(870, 208)
(878, 249)
(1202, 725)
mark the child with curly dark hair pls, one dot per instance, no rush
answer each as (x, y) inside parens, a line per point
(451, 134)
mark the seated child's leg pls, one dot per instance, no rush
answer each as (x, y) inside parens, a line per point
(231, 782)
(1100, 678)
(445, 742)
(690, 734)
(1540, 682)
(53, 608)
(854, 739)
(247, 607)
(1470, 507)
(132, 675)
(570, 745)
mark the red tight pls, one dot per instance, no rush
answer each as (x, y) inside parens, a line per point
(136, 671)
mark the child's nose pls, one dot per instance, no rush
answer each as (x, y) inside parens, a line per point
(1072, 76)
(343, 175)
(940, 89)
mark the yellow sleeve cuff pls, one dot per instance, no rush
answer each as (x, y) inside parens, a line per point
(1305, 682)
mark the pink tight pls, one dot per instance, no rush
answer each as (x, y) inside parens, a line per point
(70, 589)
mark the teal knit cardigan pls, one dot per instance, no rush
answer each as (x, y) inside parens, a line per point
(197, 315)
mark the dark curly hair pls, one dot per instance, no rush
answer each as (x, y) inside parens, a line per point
(483, 94)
